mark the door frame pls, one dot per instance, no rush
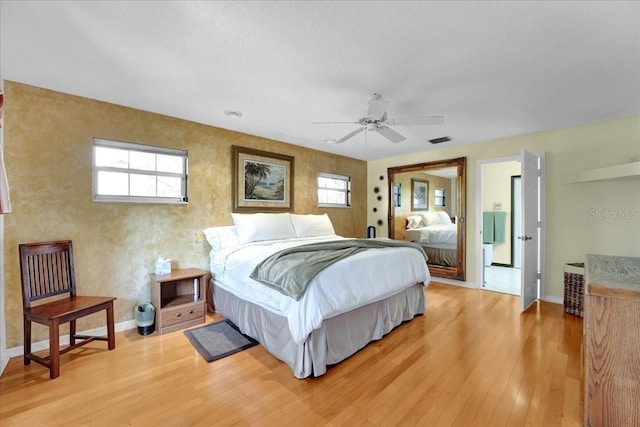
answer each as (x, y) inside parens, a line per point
(541, 206)
(514, 214)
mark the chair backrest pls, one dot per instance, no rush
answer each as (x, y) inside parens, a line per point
(46, 270)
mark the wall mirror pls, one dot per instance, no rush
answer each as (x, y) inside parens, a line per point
(433, 219)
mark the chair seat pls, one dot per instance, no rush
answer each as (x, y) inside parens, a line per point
(68, 308)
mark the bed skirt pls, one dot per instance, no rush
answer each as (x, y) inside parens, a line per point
(338, 338)
(441, 253)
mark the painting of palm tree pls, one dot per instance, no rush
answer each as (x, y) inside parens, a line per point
(263, 181)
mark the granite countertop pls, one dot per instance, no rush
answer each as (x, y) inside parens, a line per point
(613, 271)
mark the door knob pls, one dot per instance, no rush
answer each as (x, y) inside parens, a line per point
(525, 238)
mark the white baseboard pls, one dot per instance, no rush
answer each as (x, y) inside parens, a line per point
(64, 340)
(455, 282)
(554, 299)
(4, 359)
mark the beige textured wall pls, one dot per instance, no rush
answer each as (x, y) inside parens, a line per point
(594, 217)
(47, 139)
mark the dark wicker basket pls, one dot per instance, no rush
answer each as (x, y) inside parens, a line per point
(574, 290)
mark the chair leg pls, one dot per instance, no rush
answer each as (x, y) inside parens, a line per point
(111, 332)
(72, 332)
(54, 349)
(27, 339)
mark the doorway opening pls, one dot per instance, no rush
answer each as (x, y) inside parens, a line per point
(500, 226)
(501, 223)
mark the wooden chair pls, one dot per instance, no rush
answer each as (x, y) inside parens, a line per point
(47, 270)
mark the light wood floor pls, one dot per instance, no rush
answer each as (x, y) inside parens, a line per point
(472, 359)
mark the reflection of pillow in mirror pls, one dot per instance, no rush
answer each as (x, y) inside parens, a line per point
(312, 225)
(414, 221)
(431, 218)
(263, 226)
(444, 217)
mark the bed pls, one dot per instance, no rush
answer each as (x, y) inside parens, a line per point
(355, 300)
(437, 235)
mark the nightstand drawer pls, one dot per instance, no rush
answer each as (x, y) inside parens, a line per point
(183, 314)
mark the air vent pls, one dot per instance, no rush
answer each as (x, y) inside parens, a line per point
(440, 140)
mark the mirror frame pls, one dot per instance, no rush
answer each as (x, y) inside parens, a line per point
(456, 272)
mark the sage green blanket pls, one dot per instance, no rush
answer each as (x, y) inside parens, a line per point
(290, 270)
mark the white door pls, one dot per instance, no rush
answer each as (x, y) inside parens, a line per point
(529, 237)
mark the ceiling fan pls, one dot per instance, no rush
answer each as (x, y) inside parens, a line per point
(377, 120)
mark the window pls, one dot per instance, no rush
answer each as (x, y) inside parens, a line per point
(126, 172)
(439, 197)
(334, 190)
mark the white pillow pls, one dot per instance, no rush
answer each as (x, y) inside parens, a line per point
(444, 217)
(221, 237)
(312, 225)
(263, 226)
(431, 218)
(414, 221)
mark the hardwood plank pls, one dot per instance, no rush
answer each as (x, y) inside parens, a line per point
(472, 359)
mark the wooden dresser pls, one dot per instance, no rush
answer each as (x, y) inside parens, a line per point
(612, 341)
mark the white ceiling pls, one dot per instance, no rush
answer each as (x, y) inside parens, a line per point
(493, 69)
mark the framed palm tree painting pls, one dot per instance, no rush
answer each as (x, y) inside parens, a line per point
(262, 181)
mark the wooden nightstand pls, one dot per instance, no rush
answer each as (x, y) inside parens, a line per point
(179, 299)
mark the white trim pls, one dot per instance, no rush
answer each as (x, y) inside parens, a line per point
(554, 300)
(64, 340)
(4, 357)
(543, 227)
(479, 204)
(446, 281)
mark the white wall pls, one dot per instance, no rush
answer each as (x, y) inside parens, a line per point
(583, 218)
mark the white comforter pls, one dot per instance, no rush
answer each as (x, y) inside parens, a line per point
(441, 233)
(358, 280)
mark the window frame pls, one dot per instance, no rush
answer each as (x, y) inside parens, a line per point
(347, 191)
(183, 199)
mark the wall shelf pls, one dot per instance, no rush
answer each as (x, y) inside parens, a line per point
(609, 173)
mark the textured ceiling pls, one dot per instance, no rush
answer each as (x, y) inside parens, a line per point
(492, 69)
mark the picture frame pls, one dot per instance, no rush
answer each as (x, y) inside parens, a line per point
(419, 194)
(261, 181)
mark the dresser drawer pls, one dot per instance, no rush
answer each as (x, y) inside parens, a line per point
(186, 313)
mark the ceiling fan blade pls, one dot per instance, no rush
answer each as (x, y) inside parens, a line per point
(377, 107)
(334, 123)
(418, 120)
(390, 134)
(351, 135)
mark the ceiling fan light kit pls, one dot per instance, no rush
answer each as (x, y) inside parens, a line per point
(377, 120)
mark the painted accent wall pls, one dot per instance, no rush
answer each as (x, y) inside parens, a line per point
(593, 217)
(47, 143)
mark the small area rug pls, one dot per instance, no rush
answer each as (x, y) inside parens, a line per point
(217, 340)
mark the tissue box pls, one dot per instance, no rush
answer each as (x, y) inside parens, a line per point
(163, 266)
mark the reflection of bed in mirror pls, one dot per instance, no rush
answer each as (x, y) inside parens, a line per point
(437, 235)
(445, 181)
